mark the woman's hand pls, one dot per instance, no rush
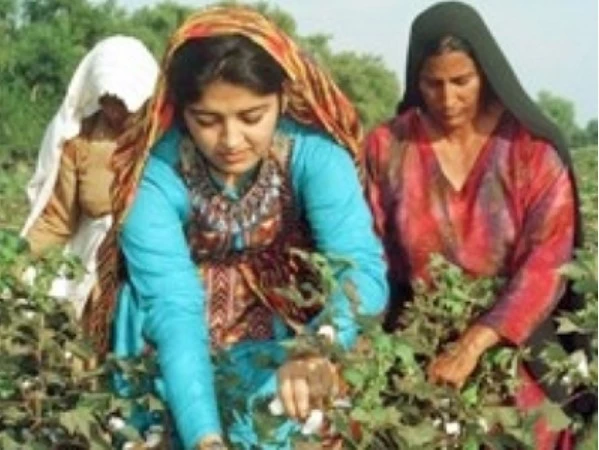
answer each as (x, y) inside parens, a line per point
(305, 383)
(212, 442)
(455, 366)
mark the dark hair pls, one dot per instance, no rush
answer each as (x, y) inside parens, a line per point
(446, 44)
(233, 58)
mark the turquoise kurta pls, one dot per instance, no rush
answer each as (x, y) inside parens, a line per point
(163, 299)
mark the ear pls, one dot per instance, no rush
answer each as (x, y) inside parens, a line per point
(284, 101)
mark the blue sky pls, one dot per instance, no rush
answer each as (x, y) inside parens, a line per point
(552, 44)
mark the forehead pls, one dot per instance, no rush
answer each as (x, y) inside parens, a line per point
(448, 64)
(223, 97)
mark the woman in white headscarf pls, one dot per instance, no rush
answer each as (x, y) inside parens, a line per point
(69, 191)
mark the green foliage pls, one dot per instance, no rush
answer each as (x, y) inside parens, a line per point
(394, 405)
(585, 169)
(53, 395)
(44, 40)
(45, 397)
(561, 111)
(578, 371)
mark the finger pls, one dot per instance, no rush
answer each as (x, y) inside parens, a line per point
(286, 395)
(320, 381)
(301, 395)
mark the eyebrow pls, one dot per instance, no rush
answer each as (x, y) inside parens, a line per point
(205, 112)
(461, 75)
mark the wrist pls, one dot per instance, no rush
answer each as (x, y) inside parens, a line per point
(479, 338)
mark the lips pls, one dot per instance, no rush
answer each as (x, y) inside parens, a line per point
(233, 157)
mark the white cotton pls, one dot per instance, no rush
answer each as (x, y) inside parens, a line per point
(452, 428)
(313, 423)
(342, 403)
(483, 424)
(327, 331)
(153, 440)
(116, 423)
(276, 407)
(29, 275)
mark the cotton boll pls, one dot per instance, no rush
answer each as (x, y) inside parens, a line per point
(276, 407)
(314, 423)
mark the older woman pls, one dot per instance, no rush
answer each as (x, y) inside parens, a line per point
(471, 169)
(251, 157)
(69, 190)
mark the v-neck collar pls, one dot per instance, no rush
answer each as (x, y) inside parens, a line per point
(426, 147)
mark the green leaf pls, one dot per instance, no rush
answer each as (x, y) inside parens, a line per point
(8, 443)
(77, 421)
(555, 415)
(470, 394)
(566, 325)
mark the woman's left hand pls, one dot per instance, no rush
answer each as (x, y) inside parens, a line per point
(305, 383)
(455, 366)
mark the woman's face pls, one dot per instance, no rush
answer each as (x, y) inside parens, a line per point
(115, 111)
(232, 126)
(450, 85)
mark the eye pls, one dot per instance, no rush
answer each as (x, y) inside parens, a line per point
(252, 118)
(205, 120)
(463, 80)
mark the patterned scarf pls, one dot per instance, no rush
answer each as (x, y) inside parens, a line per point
(313, 99)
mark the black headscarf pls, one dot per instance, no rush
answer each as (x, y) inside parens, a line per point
(462, 21)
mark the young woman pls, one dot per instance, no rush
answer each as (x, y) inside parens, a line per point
(251, 158)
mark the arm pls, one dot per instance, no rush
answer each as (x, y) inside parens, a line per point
(171, 295)
(341, 223)
(534, 286)
(545, 243)
(58, 220)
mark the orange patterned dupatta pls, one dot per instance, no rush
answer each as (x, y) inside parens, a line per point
(313, 99)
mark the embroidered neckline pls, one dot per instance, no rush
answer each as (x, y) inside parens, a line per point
(214, 210)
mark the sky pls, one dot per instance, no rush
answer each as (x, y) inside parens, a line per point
(551, 44)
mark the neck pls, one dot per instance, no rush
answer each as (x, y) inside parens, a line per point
(231, 182)
(467, 135)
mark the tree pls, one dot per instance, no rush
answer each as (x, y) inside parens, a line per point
(45, 39)
(591, 132)
(561, 111)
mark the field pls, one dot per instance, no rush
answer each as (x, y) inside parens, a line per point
(393, 406)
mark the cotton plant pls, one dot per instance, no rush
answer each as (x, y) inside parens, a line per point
(53, 393)
(393, 406)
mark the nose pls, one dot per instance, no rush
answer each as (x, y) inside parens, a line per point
(231, 136)
(447, 95)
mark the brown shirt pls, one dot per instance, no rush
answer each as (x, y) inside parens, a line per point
(82, 187)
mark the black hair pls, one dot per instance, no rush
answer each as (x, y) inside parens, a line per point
(446, 44)
(233, 58)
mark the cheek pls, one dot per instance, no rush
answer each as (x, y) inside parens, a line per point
(204, 138)
(473, 95)
(261, 136)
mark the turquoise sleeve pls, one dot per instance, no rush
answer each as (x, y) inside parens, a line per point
(171, 297)
(326, 184)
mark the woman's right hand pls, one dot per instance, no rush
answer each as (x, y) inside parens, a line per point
(305, 383)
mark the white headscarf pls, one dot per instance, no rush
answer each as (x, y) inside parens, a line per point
(121, 66)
